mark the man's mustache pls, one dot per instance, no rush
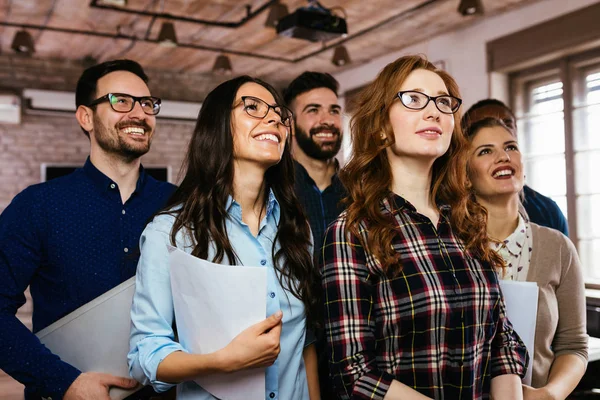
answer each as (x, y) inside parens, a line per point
(141, 124)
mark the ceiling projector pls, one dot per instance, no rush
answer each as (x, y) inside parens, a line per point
(312, 24)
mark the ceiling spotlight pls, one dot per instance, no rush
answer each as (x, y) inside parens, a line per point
(276, 12)
(167, 36)
(89, 61)
(470, 7)
(340, 56)
(113, 3)
(23, 43)
(222, 65)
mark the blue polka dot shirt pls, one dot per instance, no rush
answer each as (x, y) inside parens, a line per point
(71, 239)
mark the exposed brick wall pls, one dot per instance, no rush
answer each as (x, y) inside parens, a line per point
(58, 139)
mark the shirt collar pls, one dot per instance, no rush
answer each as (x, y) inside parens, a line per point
(235, 209)
(393, 203)
(515, 242)
(103, 182)
(300, 168)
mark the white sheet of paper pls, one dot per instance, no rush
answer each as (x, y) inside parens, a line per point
(213, 304)
(521, 300)
(95, 337)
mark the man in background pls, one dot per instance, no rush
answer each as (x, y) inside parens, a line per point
(74, 238)
(317, 139)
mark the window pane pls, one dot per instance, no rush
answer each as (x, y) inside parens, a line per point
(586, 128)
(589, 253)
(547, 175)
(542, 135)
(561, 201)
(588, 217)
(587, 167)
(546, 98)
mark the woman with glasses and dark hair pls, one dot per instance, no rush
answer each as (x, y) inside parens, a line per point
(413, 308)
(235, 206)
(531, 253)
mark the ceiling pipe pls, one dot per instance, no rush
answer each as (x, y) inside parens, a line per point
(392, 18)
(131, 37)
(223, 24)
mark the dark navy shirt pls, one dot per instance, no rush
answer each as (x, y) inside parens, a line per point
(321, 208)
(71, 239)
(544, 211)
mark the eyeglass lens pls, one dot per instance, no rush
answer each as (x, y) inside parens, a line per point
(258, 108)
(125, 103)
(418, 101)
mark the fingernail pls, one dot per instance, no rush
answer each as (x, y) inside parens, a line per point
(279, 314)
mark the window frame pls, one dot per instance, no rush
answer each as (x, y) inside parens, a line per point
(571, 70)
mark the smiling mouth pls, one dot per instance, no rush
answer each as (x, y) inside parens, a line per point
(268, 136)
(325, 135)
(134, 130)
(429, 132)
(503, 173)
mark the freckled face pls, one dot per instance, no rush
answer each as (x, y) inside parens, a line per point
(422, 133)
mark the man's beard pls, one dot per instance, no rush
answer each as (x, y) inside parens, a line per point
(314, 149)
(111, 141)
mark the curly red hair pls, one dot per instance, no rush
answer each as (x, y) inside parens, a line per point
(368, 175)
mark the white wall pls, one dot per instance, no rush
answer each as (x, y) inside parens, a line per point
(464, 51)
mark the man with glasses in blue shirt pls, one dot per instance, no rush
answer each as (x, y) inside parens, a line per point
(75, 237)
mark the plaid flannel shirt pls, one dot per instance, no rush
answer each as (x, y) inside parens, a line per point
(439, 326)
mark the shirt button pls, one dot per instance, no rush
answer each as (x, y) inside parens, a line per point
(112, 186)
(272, 294)
(126, 250)
(123, 212)
(272, 395)
(263, 262)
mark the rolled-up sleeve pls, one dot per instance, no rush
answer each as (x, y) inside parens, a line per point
(508, 352)
(152, 315)
(349, 319)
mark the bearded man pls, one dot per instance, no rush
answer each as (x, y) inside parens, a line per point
(317, 138)
(73, 238)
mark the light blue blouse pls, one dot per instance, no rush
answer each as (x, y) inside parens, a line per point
(152, 314)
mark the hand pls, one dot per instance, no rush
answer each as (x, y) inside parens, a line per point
(256, 346)
(95, 386)
(542, 393)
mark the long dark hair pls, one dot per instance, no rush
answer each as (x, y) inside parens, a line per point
(199, 203)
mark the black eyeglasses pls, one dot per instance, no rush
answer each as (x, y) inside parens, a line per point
(258, 108)
(124, 103)
(417, 101)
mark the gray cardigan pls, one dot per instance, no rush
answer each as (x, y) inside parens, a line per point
(561, 318)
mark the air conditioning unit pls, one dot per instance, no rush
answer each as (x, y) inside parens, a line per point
(49, 101)
(10, 108)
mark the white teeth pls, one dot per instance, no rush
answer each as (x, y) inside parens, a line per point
(268, 136)
(503, 172)
(324, 134)
(432, 132)
(134, 130)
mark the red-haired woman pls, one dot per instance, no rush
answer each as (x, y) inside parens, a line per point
(413, 309)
